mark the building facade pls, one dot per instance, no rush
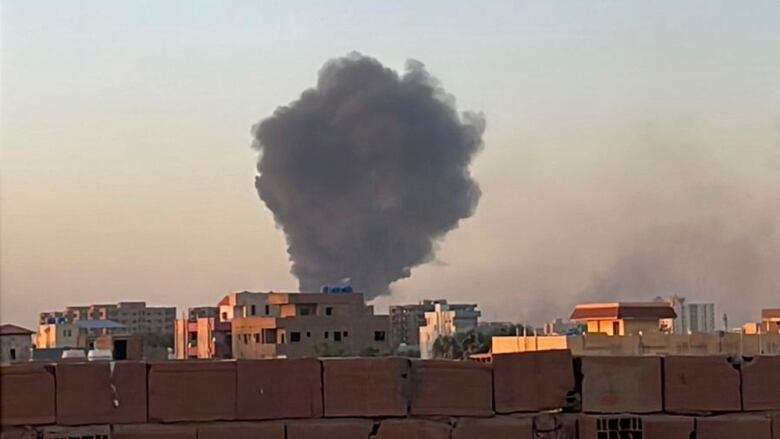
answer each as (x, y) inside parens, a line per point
(770, 320)
(624, 318)
(446, 321)
(406, 320)
(298, 325)
(136, 317)
(15, 343)
(692, 317)
(203, 337)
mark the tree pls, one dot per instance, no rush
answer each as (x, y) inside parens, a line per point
(446, 346)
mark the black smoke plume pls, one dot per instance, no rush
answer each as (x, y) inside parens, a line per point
(366, 172)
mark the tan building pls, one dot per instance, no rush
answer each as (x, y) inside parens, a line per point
(444, 321)
(78, 334)
(624, 318)
(15, 343)
(244, 304)
(296, 325)
(770, 319)
(203, 337)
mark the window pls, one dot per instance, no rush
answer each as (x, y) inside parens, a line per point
(295, 337)
(267, 310)
(379, 335)
(326, 334)
(329, 311)
(615, 328)
(336, 336)
(304, 311)
(308, 334)
(224, 316)
(13, 354)
(282, 339)
(346, 334)
(257, 338)
(253, 310)
(246, 338)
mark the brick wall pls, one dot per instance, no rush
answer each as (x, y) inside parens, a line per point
(528, 395)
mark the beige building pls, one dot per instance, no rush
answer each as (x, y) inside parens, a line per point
(78, 334)
(446, 321)
(624, 318)
(15, 343)
(135, 316)
(296, 325)
(770, 320)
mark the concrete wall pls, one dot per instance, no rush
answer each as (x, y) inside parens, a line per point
(19, 345)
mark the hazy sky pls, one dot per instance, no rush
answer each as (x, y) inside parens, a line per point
(632, 148)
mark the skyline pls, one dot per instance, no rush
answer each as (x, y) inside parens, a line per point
(616, 135)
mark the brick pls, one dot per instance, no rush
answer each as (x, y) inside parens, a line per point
(668, 427)
(18, 433)
(27, 396)
(734, 427)
(330, 429)
(279, 389)
(454, 388)
(413, 429)
(761, 383)
(192, 391)
(700, 384)
(241, 430)
(532, 381)
(154, 431)
(101, 393)
(71, 432)
(622, 384)
(365, 387)
(502, 427)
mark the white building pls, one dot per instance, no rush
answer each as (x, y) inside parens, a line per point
(693, 317)
(15, 343)
(445, 321)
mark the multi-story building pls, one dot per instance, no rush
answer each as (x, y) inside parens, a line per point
(770, 319)
(692, 317)
(406, 320)
(136, 317)
(15, 343)
(446, 321)
(203, 337)
(59, 333)
(203, 311)
(296, 325)
(623, 318)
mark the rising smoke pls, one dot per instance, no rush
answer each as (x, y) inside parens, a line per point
(367, 172)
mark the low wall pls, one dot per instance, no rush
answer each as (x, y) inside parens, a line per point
(544, 394)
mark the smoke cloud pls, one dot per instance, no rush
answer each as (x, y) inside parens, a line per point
(367, 172)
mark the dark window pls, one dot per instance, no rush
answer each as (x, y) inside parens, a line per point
(295, 337)
(326, 334)
(282, 339)
(13, 354)
(615, 328)
(336, 336)
(308, 334)
(267, 310)
(304, 311)
(329, 311)
(346, 334)
(257, 338)
(224, 316)
(252, 310)
(379, 335)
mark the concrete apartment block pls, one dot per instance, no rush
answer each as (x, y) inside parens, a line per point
(503, 427)
(71, 432)
(455, 388)
(734, 427)
(192, 391)
(365, 387)
(101, 393)
(330, 429)
(622, 384)
(27, 394)
(761, 383)
(279, 389)
(412, 429)
(700, 384)
(241, 430)
(154, 431)
(532, 381)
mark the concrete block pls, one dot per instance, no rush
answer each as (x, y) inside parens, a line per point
(27, 395)
(241, 430)
(502, 427)
(532, 381)
(413, 429)
(761, 383)
(154, 431)
(18, 433)
(330, 429)
(279, 389)
(365, 387)
(734, 427)
(192, 391)
(775, 425)
(101, 393)
(622, 384)
(452, 388)
(553, 425)
(668, 427)
(700, 384)
(72, 432)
